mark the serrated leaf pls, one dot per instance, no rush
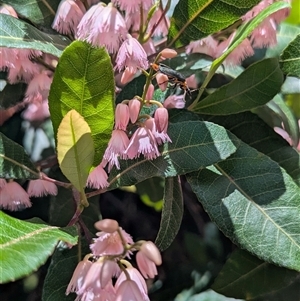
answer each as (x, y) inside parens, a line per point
(257, 85)
(14, 162)
(84, 81)
(15, 33)
(255, 203)
(26, 246)
(12, 95)
(39, 12)
(195, 144)
(254, 131)
(172, 213)
(75, 149)
(236, 277)
(193, 20)
(290, 58)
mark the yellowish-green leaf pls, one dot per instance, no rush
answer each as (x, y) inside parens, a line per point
(75, 148)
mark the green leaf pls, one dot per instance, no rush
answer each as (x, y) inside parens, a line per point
(246, 29)
(25, 246)
(75, 149)
(290, 58)
(38, 12)
(290, 122)
(254, 131)
(172, 213)
(14, 162)
(255, 203)
(84, 81)
(15, 33)
(241, 34)
(257, 85)
(12, 95)
(236, 278)
(195, 144)
(285, 35)
(57, 279)
(193, 20)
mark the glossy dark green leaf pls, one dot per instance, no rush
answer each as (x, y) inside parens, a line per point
(290, 58)
(172, 213)
(14, 162)
(255, 203)
(193, 20)
(84, 81)
(39, 12)
(255, 132)
(15, 33)
(57, 279)
(236, 278)
(25, 246)
(195, 144)
(257, 85)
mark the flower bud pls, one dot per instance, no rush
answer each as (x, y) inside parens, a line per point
(162, 81)
(161, 118)
(168, 53)
(150, 250)
(150, 92)
(127, 76)
(121, 117)
(107, 225)
(134, 109)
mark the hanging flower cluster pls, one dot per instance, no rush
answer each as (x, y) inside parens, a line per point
(93, 277)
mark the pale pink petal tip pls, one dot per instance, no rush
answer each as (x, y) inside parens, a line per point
(79, 274)
(13, 197)
(39, 188)
(152, 252)
(97, 178)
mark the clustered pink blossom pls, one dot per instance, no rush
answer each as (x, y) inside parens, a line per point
(21, 66)
(68, 15)
(92, 279)
(262, 36)
(14, 197)
(103, 26)
(145, 139)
